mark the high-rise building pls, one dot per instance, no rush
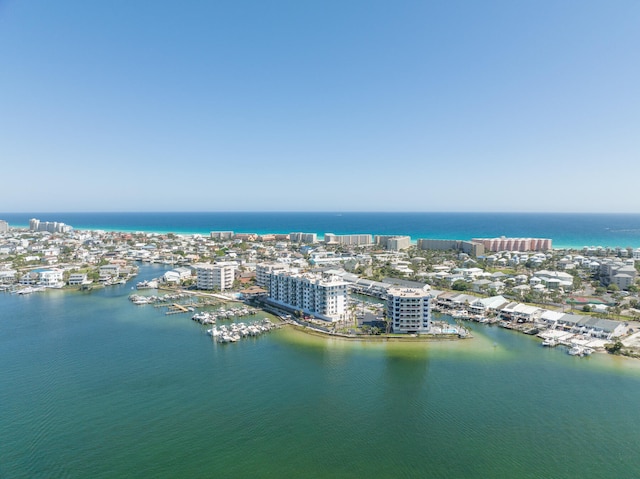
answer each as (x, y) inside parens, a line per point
(50, 226)
(263, 270)
(323, 296)
(350, 240)
(514, 244)
(303, 237)
(393, 243)
(215, 276)
(221, 235)
(409, 310)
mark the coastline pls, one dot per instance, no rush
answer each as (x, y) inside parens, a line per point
(567, 230)
(443, 334)
(382, 338)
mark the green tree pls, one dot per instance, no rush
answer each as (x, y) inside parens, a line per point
(614, 348)
(460, 285)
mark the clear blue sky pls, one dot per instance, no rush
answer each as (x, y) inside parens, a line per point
(297, 105)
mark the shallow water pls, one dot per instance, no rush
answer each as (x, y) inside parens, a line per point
(93, 386)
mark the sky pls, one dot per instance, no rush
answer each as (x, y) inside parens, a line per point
(303, 105)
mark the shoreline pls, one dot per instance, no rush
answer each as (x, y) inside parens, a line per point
(159, 232)
(431, 338)
(566, 230)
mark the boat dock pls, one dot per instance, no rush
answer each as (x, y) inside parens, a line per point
(176, 308)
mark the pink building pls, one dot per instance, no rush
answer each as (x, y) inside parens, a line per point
(514, 244)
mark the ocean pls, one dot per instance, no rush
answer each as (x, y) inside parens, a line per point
(94, 386)
(567, 230)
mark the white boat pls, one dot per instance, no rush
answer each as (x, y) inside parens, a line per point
(460, 314)
(152, 284)
(580, 351)
(214, 333)
(550, 342)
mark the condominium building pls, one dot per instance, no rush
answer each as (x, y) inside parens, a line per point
(323, 296)
(303, 237)
(393, 243)
(215, 276)
(4, 226)
(264, 270)
(514, 244)
(221, 235)
(50, 226)
(352, 240)
(470, 247)
(409, 310)
(621, 273)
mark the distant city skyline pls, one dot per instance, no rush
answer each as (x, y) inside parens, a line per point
(379, 106)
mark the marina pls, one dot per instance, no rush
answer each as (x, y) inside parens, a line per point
(240, 330)
(210, 317)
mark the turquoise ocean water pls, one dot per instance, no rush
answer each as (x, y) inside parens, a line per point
(94, 386)
(565, 229)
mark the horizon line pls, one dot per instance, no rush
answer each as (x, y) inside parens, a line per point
(318, 212)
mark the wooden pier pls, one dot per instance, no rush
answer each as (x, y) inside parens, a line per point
(176, 308)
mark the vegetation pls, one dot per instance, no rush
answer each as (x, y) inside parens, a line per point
(460, 286)
(614, 348)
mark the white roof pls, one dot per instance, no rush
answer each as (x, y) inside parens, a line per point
(551, 315)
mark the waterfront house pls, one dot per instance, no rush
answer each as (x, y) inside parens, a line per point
(50, 278)
(177, 275)
(521, 313)
(7, 276)
(452, 300)
(29, 278)
(591, 326)
(600, 328)
(76, 279)
(550, 318)
(107, 271)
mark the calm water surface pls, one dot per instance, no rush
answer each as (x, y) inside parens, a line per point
(565, 229)
(93, 386)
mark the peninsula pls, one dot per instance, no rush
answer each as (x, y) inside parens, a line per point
(357, 286)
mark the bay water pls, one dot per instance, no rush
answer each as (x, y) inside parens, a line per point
(94, 386)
